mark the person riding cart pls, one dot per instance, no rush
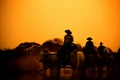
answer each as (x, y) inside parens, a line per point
(67, 47)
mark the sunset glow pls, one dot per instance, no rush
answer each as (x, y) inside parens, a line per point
(41, 20)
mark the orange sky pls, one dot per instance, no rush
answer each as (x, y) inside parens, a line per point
(41, 20)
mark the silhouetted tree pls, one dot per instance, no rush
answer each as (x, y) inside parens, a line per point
(79, 47)
(28, 47)
(118, 51)
(47, 44)
(58, 41)
(118, 56)
(52, 45)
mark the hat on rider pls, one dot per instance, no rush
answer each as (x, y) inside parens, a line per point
(89, 38)
(101, 43)
(68, 31)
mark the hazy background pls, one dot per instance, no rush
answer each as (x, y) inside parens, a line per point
(41, 20)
